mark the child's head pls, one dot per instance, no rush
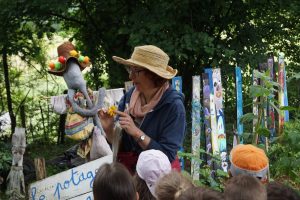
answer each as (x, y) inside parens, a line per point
(170, 186)
(278, 191)
(199, 193)
(248, 159)
(151, 165)
(245, 187)
(113, 181)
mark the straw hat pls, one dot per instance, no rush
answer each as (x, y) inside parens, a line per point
(249, 159)
(65, 52)
(152, 58)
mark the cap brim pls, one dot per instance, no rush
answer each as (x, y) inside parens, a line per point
(235, 170)
(152, 189)
(168, 73)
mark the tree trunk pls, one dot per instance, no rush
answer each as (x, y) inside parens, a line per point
(8, 94)
(43, 121)
(61, 129)
(23, 116)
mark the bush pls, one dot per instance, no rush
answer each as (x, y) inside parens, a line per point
(284, 155)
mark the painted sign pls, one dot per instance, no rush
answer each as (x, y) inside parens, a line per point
(75, 183)
(213, 117)
(282, 93)
(271, 111)
(239, 100)
(177, 83)
(220, 130)
(196, 127)
(206, 120)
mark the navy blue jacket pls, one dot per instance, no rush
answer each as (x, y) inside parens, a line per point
(165, 124)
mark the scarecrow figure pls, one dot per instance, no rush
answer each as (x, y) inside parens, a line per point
(82, 112)
(15, 178)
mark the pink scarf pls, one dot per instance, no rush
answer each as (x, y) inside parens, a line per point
(138, 106)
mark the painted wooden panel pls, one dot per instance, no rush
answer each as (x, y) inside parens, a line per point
(239, 100)
(177, 83)
(206, 114)
(271, 111)
(213, 117)
(196, 126)
(220, 118)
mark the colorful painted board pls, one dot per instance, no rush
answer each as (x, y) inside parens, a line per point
(177, 83)
(206, 114)
(282, 93)
(196, 126)
(271, 112)
(286, 112)
(220, 129)
(213, 117)
(255, 82)
(239, 102)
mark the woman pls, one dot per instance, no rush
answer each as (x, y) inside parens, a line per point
(151, 113)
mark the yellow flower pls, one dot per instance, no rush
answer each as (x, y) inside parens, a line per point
(111, 110)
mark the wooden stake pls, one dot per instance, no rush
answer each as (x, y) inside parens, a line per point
(40, 168)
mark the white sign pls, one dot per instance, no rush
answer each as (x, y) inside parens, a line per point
(75, 183)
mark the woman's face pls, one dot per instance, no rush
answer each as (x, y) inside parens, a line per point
(139, 77)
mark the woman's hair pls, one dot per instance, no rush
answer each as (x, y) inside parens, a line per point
(158, 81)
(113, 181)
(245, 187)
(170, 186)
(199, 193)
(142, 188)
(278, 191)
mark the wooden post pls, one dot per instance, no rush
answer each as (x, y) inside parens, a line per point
(196, 127)
(15, 178)
(40, 168)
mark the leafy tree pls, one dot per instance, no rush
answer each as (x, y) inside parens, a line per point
(17, 38)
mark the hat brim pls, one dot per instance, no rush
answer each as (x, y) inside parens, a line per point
(150, 186)
(235, 170)
(64, 67)
(168, 73)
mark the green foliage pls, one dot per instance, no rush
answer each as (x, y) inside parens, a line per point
(264, 94)
(284, 154)
(6, 157)
(208, 177)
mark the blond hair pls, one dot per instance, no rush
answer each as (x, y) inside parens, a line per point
(170, 186)
(245, 187)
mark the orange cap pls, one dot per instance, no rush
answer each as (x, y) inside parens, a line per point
(249, 157)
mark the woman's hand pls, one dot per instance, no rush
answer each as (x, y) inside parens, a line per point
(107, 122)
(128, 124)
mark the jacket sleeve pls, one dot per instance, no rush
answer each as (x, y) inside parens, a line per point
(172, 132)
